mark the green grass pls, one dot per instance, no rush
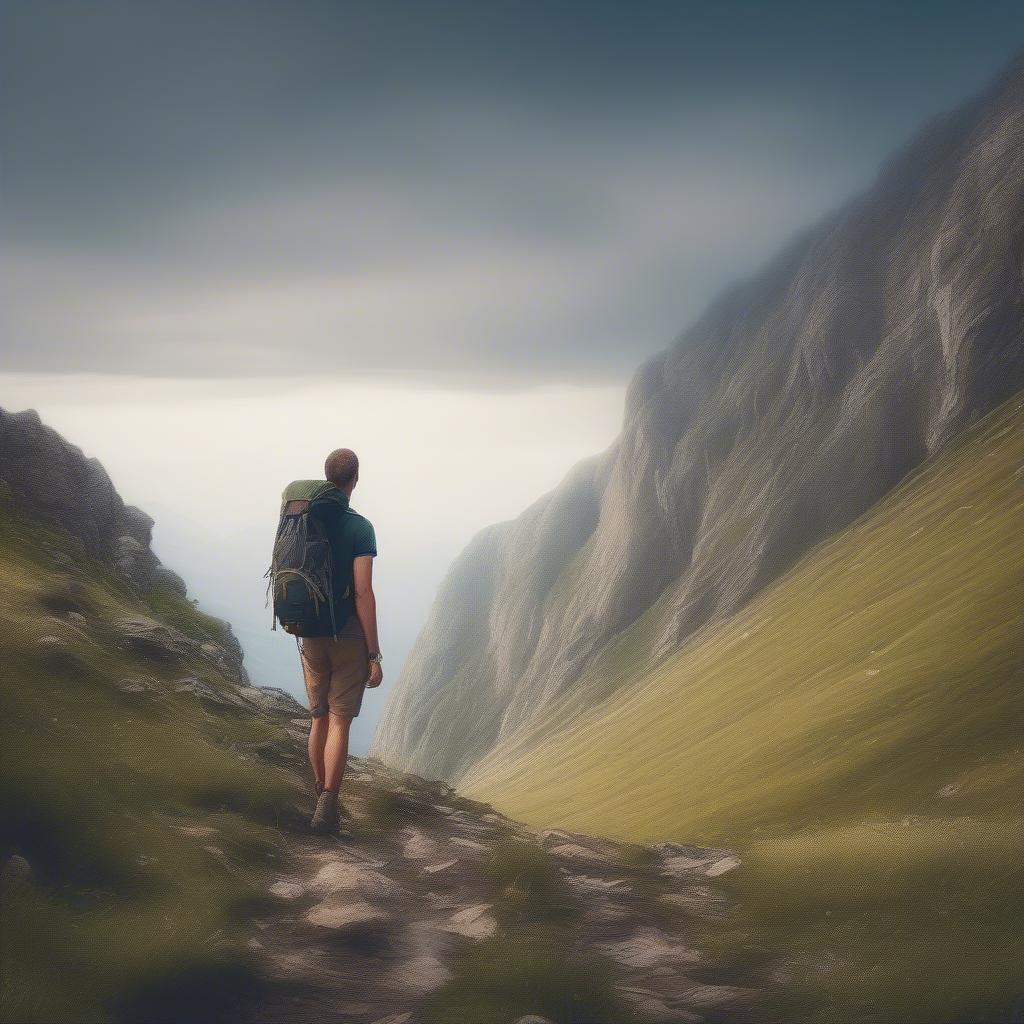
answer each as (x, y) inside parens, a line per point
(149, 838)
(856, 730)
(535, 971)
(166, 605)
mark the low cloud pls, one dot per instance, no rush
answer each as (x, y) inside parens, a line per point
(482, 195)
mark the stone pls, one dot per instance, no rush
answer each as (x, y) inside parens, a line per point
(442, 867)
(417, 976)
(206, 694)
(167, 579)
(274, 701)
(198, 831)
(78, 619)
(585, 885)
(62, 560)
(340, 876)
(287, 889)
(417, 846)
(580, 854)
(135, 686)
(469, 844)
(648, 948)
(532, 1018)
(151, 639)
(699, 901)
(473, 922)
(714, 997)
(554, 837)
(721, 867)
(346, 916)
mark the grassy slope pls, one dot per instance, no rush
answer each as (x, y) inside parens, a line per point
(146, 833)
(857, 730)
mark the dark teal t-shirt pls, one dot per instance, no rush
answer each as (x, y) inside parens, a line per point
(350, 536)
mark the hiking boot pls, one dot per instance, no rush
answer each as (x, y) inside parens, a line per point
(325, 817)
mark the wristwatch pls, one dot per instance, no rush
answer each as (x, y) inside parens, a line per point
(375, 657)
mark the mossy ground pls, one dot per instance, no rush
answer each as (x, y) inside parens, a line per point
(856, 731)
(147, 833)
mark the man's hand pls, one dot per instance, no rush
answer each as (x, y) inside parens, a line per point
(376, 675)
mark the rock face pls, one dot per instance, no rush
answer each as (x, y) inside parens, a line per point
(798, 400)
(51, 480)
(46, 478)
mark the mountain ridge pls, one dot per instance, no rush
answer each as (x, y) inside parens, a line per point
(797, 400)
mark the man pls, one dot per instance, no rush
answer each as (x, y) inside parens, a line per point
(338, 667)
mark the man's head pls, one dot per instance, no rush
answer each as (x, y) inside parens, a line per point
(342, 469)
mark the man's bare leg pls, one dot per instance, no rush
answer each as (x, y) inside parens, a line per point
(317, 741)
(335, 751)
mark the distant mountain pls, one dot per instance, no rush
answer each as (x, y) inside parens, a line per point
(799, 399)
(855, 733)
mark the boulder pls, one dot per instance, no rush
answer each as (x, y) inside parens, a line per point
(151, 639)
(341, 876)
(473, 922)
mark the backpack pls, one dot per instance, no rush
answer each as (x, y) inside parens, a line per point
(301, 573)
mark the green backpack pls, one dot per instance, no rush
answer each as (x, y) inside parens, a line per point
(301, 572)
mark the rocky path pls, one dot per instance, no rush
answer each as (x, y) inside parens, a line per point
(370, 925)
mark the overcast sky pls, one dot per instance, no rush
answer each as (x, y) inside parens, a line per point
(487, 194)
(442, 233)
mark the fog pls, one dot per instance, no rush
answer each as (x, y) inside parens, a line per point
(208, 460)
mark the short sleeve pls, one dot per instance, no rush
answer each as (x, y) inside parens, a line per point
(364, 540)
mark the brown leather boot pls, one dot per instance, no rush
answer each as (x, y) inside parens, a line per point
(325, 817)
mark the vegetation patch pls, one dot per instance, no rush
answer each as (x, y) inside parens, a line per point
(855, 732)
(534, 964)
(149, 837)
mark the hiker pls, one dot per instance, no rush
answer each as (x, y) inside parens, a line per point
(322, 580)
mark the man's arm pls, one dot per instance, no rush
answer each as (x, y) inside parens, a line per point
(366, 610)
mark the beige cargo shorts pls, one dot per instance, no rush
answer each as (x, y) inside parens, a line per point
(336, 672)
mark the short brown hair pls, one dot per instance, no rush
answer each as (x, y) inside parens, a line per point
(341, 467)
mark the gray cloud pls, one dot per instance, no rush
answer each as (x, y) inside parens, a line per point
(480, 194)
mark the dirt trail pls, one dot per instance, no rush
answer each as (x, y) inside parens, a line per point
(368, 925)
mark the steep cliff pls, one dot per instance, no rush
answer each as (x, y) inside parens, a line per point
(50, 481)
(798, 400)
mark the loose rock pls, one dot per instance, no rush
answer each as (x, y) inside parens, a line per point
(341, 916)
